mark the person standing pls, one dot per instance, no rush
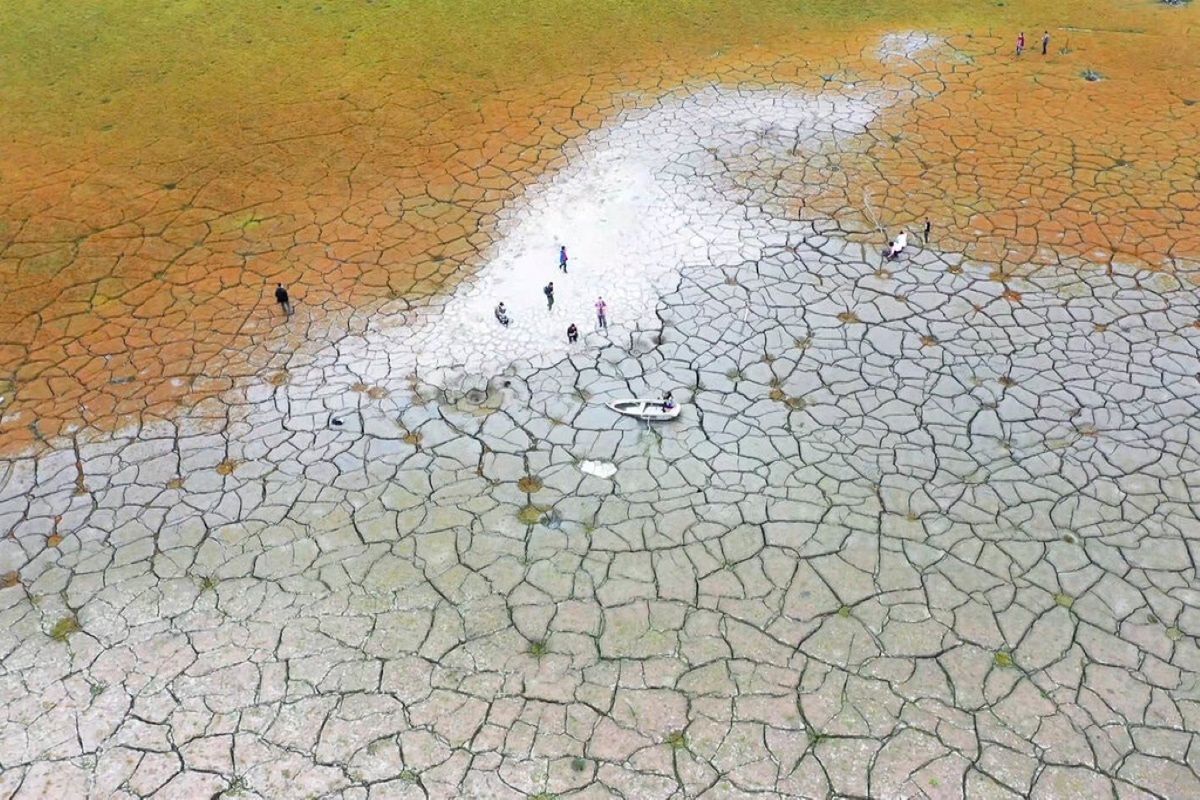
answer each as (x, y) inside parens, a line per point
(601, 313)
(281, 297)
(572, 334)
(1021, 43)
(928, 228)
(549, 292)
(562, 258)
(1045, 42)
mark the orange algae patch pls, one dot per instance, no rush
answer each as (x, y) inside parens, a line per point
(145, 216)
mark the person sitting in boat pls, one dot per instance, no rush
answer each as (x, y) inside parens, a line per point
(502, 315)
(668, 402)
(898, 245)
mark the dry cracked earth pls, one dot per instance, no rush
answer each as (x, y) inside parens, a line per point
(925, 528)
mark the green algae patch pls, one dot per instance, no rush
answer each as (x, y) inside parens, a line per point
(64, 628)
(1003, 659)
(531, 514)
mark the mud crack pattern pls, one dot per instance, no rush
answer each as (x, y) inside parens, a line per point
(926, 528)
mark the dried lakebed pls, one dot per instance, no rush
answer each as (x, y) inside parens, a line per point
(922, 529)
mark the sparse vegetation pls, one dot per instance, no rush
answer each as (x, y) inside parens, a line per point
(1003, 659)
(677, 740)
(537, 648)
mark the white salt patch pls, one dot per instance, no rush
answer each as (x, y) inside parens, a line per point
(601, 469)
(659, 189)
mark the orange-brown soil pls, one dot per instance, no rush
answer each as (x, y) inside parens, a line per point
(137, 257)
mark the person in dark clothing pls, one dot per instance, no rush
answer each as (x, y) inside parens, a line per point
(601, 313)
(572, 334)
(928, 228)
(562, 258)
(549, 292)
(502, 315)
(285, 302)
(1045, 42)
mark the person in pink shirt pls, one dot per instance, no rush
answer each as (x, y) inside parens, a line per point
(601, 313)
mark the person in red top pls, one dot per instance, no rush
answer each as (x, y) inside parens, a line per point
(1021, 43)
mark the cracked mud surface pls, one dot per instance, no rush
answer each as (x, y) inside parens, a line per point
(925, 528)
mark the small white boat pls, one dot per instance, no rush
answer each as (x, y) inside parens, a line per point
(650, 410)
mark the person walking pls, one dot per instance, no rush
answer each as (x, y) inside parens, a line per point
(1045, 42)
(601, 313)
(281, 297)
(928, 228)
(572, 334)
(562, 258)
(549, 292)
(1021, 43)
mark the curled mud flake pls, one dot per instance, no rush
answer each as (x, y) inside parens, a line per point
(796, 403)
(413, 438)
(954, 269)
(175, 483)
(227, 467)
(929, 341)
(360, 387)
(10, 579)
(1012, 295)
(279, 378)
(377, 393)
(53, 540)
